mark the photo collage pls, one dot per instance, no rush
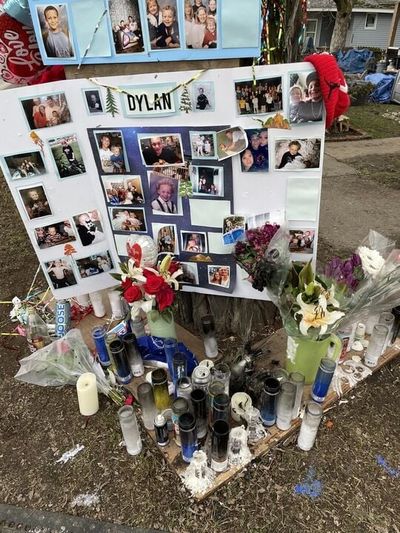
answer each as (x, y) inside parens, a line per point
(148, 201)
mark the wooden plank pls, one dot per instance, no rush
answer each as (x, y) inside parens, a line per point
(393, 25)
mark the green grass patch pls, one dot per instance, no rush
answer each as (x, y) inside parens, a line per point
(369, 119)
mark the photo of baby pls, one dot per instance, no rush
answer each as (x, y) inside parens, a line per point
(111, 152)
(297, 154)
(193, 242)
(162, 22)
(207, 180)
(201, 23)
(265, 96)
(55, 30)
(46, 111)
(126, 26)
(255, 157)
(164, 194)
(305, 98)
(35, 202)
(60, 273)
(301, 241)
(219, 275)
(125, 190)
(230, 142)
(55, 234)
(67, 156)
(233, 229)
(166, 240)
(203, 144)
(25, 165)
(89, 227)
(94, 264)
(129, 219)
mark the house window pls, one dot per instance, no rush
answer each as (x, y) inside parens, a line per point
(311, 30)
(370, 21)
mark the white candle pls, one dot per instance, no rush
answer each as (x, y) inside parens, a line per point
(241, 403)
(116, 304)
(83, 300)
(88, 397)
(97, 302)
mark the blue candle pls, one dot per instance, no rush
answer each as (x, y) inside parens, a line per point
(170, 349)
(268, 402)
(99, 337)
(323, 379)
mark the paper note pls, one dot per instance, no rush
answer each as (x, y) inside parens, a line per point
(302, 198)
(209, 213)
(86, 15)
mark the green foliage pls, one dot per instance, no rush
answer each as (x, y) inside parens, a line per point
(185, 188)
(111, 104)
(185, 101)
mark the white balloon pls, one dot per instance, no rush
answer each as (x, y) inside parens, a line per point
(149, 249)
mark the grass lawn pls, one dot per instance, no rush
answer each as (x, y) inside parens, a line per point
(369, 119)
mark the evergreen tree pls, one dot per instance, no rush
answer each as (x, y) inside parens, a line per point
(111, 104)
(185, 102)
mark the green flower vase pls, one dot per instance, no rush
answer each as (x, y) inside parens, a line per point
(161, 324)
(304, 355)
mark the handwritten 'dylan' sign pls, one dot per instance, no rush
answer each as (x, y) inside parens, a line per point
(150, 100)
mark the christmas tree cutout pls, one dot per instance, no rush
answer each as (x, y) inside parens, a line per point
(111, 104)
(185, 101)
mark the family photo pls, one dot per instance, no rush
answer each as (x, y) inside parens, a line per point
(203, 96)
(67, 156)
(93, 101)
(54, 26)
(60, 273)
(301, 241)
(111, 152)
(255, 157)
(164, 194)
(219, 275)
(265, 96)
(126, 26)
(233, 229)
(297, 154)
(26, 165)
(161, 150)
(305, 98)
(162, 23)
(194, 242)
(94, 264)
(190, 274)
(89, 227)
(230, 142)
(35, 202)
(202, 144)
(166, 239)
(46, 111)
(55, 234)
(123, 191)
(208, 180)
(129, 219)
(201, 24)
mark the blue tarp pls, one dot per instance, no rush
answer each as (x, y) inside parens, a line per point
(383, 87)
(354, 60)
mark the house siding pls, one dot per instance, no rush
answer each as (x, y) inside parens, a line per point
(358, 36)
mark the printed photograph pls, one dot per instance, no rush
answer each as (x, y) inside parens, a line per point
(93, 101)
(163, 194)
(193, 242)
(125, 190)
(35, 201)
(259, 99)
(161, 150)
(26, 165)
(94, 264)
(67, 156)
(233, 229)
(305, 98)
(166, 240)
(203, 144)
(190, 274)
(89, 227)
(219, 275)
(301, 241)
(297, 154)
(203, 96)
(162, 22)
(111, 152)
(128, 219)
(230, 142)
(54, 26)
(126, 26)
(208, 181)
(46, 111)
(255, 157)
(201, 23)
(60, 273)
(256, 221)
(54, 234)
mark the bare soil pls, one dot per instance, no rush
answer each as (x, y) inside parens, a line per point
(353, 469)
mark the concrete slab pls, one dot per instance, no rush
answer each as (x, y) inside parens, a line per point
(351, 149)
(333, 168)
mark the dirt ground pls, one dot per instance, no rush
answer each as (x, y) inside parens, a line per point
(348, 483)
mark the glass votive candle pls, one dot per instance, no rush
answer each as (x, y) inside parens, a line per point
(280, 374)
(309, 426)
(130, 430)
(183, 388)
(298, 379)
(99, 336)
(396, 325)
(214, 388)
(222, 373)
(160, 389)
(179, 364)
(198, 399)
(387, 319)
(376, 345)
(285, 404)
(146, 400)
(115, 300)
(209, 338)
(268, 401)
(179, 407)
(219, 445)
(188, 435)
(137, 326)
(323, 379)
(120, 358)
(134, 357)
(170, 349)
(241, 403)
(221, 407)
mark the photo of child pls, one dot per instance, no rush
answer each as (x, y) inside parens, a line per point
(126, 26)
(255, 157)
(67, 156)
(230, 142)
(111, 152)
(219, 275)
(123, 191)
(46, 111)
(193, 242)
(202, 144)
(55, 30)
(129, 219)
(25, 165)
(58, 233)
(207, 180)
(305, 98)
(233, 229)
(201, 23)
(297, 154)
(164, 194)
(265, 96)
(35, 202)
(93, 101)
(301, 241)
(60, 273)
(94, 264)
(203, 96)
(166, 239)
(89, 227)
(162, 23)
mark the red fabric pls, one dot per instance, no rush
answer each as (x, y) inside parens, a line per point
(333, 85)
(53, 73)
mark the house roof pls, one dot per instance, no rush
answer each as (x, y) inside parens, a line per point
(329, 5)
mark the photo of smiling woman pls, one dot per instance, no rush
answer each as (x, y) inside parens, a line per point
(305, 98)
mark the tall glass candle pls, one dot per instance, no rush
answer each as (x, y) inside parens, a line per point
(214, 388)
(198, 398)
(160, 389)
(298, 379)
(117, 309)
(188, 434)
(179, 363)
(96, 299)
(134, 357)
(137, 326)
(285, 404)
(146, 400)
(120, 358)
(219, 445)
(387, 318)
(280, 374)
(268, 400)
(396, 325)
(179, 407)
(376, 344)
(183, 388)
(309, 426)
(88, 397)
(130, 430)
(323, 379)
(209, 338)
(170, 349)
(222, 373)
(221, 407)
(99, 336)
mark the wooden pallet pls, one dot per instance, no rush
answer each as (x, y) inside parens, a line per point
(275, 346)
